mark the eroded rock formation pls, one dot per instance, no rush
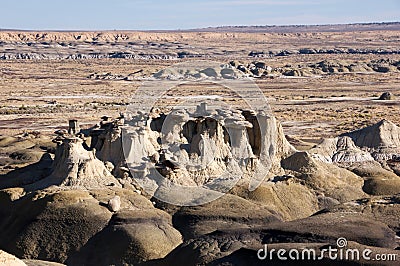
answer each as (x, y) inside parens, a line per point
(204, 148)
(382, 140)
(74, 166)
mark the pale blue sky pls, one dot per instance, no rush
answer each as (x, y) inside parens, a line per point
(181, 14)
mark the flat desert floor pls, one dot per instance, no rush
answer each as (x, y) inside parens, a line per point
(41, 95)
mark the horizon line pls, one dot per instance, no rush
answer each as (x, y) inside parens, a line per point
(207, 27)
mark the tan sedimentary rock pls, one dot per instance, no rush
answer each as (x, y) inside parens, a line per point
(340, 150)
(76, 167)
(7, 259)
(382, 140)
(379, 142)
(195, 149)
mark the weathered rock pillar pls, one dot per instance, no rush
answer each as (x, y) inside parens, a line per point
(73, 127)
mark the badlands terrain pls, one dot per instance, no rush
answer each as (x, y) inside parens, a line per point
(328, 143)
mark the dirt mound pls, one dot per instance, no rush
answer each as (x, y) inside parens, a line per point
(385, 209)
(326, 178)
(316, 232)
(131, 237)
(377, 180)
(223, 71)
(73, 225)
(51, 225)
(290, 199)
(226, 212)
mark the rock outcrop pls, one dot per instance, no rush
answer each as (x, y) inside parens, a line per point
(379, 142)
(114, 204)
(340, 150)
(371, 153)
(386, 96)
(259, 69)
(225, 71)
(76, 167)
(382, 140)
(10, 260)
(209, 148)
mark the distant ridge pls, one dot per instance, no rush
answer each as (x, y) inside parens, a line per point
(306, 28)
(373, 26)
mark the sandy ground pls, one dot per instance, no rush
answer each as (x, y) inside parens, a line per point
(43, 95)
